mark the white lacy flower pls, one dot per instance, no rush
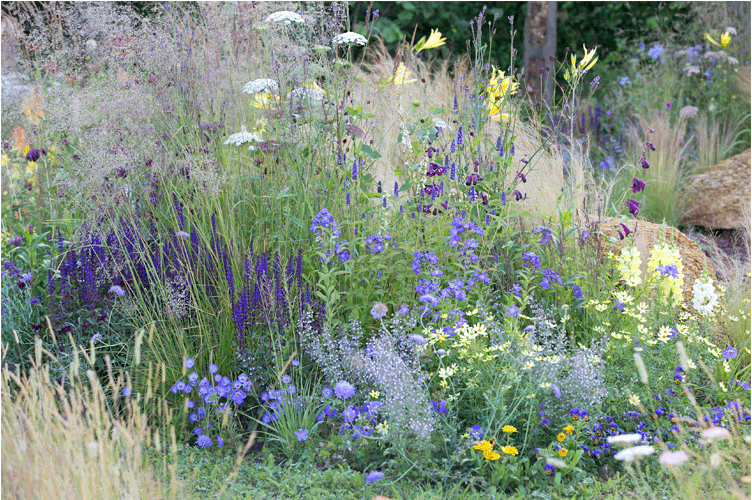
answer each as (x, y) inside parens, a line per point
(260, 85)
(304, 93)
(350, 37)
(285, 16)
(242, 137)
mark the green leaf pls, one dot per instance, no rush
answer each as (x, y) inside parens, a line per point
(435, 111)
(372, 153)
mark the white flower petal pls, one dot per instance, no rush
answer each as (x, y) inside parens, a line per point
(285, 16)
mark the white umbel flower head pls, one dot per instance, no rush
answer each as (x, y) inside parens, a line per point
(284, 16)
(305, 93)
(260, 85)
(350, 38)
(242, 137)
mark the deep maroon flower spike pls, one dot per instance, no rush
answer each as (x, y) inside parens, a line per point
(473, 179)
(633, 206)
(637, 185)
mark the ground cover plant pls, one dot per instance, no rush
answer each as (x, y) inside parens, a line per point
(249, 253)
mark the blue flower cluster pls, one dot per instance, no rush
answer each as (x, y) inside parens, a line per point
(211, 393)
(323, 224)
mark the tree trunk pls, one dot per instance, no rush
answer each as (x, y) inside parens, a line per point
(540, 49)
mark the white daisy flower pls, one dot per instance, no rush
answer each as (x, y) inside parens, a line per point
(349, 38)
(242, 137)
(284, 16)
(260, 85)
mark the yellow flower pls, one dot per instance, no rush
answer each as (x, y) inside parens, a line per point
(509, 429)
(401, 76)
(561, 437)
(586, 63)
(483, 446)
(434, 40)
(509, 450)
(491, 455)
(568, 429)
(563, 452)
(499, 87)
(725, 39)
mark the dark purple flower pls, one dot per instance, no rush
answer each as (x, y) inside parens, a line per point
(633, 206)
(517, 195)
(637, 185)
(627, 232)
(644, 163)
(15, 241)
(473, 179)
(522, 176)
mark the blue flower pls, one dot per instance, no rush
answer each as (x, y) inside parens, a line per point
(374, 476)
(418, 339)
(403, 310)
(549, 469)
(344, 390)
(204, 441)
(291, 389)
(729, 353)
(512, 311)
(220, 442)
(576, 292)
(193, 417)
(669, 270)
(286, 379)
(117, 290)
(476, 432)
(213, 368)
(379, 310)
(301, 434)
(327, 393)
(126, 391)
(532, 258)
(655, 51)
(189, 362)
(624, 81)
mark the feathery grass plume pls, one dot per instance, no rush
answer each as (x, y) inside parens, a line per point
(641, 368)
(81, 439)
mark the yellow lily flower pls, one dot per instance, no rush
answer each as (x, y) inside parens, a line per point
(588, 61)
(401, 76)
(725, 40)
(434, 40)
(498, 88)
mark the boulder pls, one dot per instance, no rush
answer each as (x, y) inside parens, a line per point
(647, 234)
(715, 199)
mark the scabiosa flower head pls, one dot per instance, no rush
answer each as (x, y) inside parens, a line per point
(301, 434)
(374, 476)
(204, 441)
(97, 337)
(624, 81)
(126, 391)
(637, 185)
(379, 310)
(117, 290)
(418, 339)
(344, 390)
(286, 379)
